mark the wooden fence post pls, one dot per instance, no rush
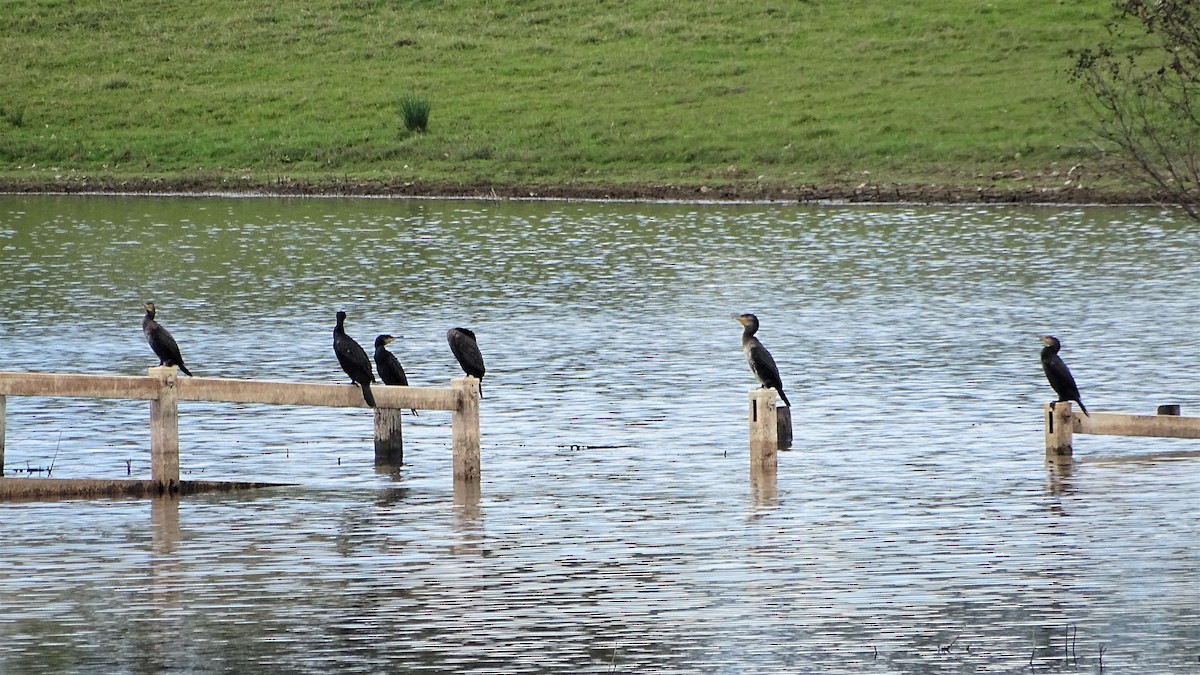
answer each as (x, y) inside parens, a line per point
(764, 430)
(783, 417)
(164, 430)
(389, 438)
(1059, 431)
(3, 416)
(464, 428)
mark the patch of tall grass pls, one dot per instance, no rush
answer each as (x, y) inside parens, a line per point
(414, 111)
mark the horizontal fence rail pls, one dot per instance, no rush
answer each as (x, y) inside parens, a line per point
(331, 395)
(164, 390)
(1062, 423)
(222, 390)
(79, 386)
(1159, 426)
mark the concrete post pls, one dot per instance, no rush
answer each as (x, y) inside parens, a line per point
(164, 430)
(1059, 431)
(764, 431)
(464, 428)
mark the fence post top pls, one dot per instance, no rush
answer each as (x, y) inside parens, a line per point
(765, 395)
(166, 374)
(466, 385)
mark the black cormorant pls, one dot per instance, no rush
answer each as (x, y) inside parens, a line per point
(161, 342)
(353, 359)
(761, 363)
(390, 370)
(466, 351)
(1056, 371)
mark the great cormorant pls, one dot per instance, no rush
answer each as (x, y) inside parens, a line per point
(466, 351)
(353, 359)
(761, 363)
(161, 342)
(390, 370)
(1056, 371)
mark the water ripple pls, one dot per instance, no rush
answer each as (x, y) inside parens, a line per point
(913, 529)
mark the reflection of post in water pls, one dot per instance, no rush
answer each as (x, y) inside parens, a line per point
(468, 519)
(763, 488)
(466, 503)
(166, 580)
(1059, 477)
(393, 471)
(164, 523)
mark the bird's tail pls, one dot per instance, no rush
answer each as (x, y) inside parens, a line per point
(481, 388)
(367, 395)
(784, 397)
(185, 370)
(1082, 407)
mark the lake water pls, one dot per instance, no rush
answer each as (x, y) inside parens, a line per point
(914, 527)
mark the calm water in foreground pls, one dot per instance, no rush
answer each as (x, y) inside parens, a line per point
(913, 529)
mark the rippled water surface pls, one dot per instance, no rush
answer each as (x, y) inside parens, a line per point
(913, 528)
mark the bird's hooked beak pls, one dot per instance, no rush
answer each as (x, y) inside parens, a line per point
(740, 318)
(1046, 339)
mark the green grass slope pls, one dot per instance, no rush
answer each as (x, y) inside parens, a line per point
(750, 95)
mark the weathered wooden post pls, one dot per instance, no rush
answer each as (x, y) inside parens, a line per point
(464, 428)
(389, 439)
(783, 418)
(1060, 424)
(764, 431)
(164, 429)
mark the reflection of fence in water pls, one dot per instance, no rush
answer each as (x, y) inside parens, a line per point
(163, 389)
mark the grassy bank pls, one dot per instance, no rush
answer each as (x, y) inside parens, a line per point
(736, 97)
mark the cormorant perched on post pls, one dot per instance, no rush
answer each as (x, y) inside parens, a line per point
(161, 342)
(1056, 371)
(353, 359)
(761, 363)
(466, 351)
(390, 370)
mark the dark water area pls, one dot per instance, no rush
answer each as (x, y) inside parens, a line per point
(914, 527)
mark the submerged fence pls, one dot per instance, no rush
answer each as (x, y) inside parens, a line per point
(1062, 423)
(164, 390)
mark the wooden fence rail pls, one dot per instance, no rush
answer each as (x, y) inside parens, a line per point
(164, 389)
(1062, 423)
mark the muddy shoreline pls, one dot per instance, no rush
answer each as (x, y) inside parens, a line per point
(866, 193)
